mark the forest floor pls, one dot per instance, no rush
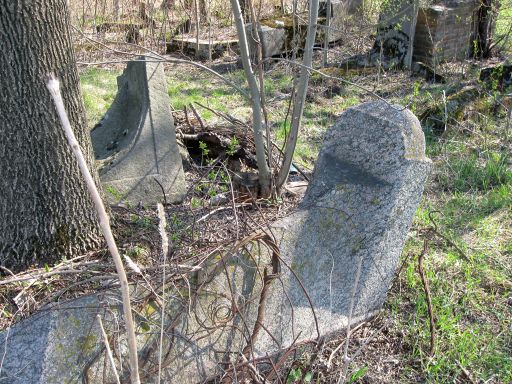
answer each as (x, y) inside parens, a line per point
(462, 228)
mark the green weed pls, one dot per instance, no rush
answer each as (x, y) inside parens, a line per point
(476, 172)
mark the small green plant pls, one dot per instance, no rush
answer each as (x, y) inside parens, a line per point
(142, 221)
(294, 375)
(415, 96)
(233, 146)
(195, 203)
(224, 177)
(212, 175)
(136, 252)
(359, 374)
(114, 192)
(204, 148)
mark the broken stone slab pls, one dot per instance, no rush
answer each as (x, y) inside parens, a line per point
(328, 264)
(135, 142)
(201, 48)
(337, 253)
(56, 344)
(273, 39)
(345, 240)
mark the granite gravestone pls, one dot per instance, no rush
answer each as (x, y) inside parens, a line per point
(338, 252)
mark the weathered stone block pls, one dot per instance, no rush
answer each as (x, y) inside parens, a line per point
(273, 40)
(353, 221)
(395, 34)
(136, 140)
(55, 345)
(444, 31)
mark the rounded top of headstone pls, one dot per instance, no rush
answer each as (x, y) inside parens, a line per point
(372, 144)
(381, 117)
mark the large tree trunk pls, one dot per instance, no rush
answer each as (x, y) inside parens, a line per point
(45, 211)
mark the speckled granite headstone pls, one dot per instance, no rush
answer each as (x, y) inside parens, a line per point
(136, 140)
(55, 345)
(367, 184)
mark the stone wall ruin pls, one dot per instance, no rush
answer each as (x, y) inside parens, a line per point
(444, 31)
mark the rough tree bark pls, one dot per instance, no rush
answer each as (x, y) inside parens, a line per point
(46, 213)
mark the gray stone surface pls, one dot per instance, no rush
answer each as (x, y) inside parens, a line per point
(136, 140)
(365, 189)
(367, 183)
(357, 211)
(273, 40)
(444, 31)
(54, 345)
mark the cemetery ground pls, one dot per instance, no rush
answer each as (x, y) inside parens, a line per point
(462, 228)
(462, 231)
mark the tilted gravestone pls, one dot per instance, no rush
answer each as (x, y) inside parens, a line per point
(329, 263)
(346, 236)
(55, 345)
(136, 140)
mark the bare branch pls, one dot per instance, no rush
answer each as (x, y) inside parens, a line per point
(53, 87)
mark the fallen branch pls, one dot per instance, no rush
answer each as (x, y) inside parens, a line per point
(426, 287)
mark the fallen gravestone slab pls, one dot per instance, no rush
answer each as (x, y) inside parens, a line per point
(136, 140)
(337, 253)
(328, 264)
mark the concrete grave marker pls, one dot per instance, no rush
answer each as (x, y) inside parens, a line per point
(136, 140)
(341, 246)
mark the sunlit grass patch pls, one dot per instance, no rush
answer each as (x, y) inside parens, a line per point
(465, 172)
(99, 88)
(185, 89)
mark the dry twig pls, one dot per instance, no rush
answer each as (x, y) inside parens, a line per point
(53, 87)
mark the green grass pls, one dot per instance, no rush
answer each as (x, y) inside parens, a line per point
(99, 88)
(189, 88)
(472, 206)
(504, 22)
(476, 172)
